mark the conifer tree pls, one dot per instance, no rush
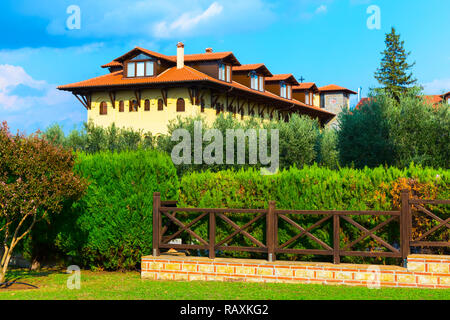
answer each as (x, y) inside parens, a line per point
(394, 73)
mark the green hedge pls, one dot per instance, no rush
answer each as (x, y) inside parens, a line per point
(111, 227)
(312, 188)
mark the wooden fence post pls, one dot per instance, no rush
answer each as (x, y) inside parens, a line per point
(156, 222)
(405, 224)
(212, 235)
(336, 240)
(270, 231)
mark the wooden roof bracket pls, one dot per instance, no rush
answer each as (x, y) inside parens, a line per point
(85, 100)
(112, 97)
(137, 93)
(164, 96)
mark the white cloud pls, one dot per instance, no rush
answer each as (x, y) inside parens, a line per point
(187, 22)
(13, 76)
(321, 9)
(437, 86)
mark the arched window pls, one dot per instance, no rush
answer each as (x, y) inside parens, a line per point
(133, 105)
(147, 105)
(160, 105)
(103, 108)
(121, 106)
(180, 105)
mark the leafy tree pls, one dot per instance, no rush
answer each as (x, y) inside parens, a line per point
(394, 74)
(363, 137)
(36, 178)
(328, 152)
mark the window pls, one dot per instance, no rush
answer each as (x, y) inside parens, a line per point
(103, 108)
(307, 97)
(160, 105)
(149, 68)
(140, 69)
(131, 69)
(289, 91)
(254, 81)
(261, 83)
(180, 105)
(121, 106)
(228, 73)
(222, 72)
(283, 90)
(133, 106)
(147, 105)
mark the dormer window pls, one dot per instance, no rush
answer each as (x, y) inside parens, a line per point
(140, 66)
(224, 72)
(283, 89)
(261, 83)
(256, 82)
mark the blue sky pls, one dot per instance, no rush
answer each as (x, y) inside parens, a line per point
(325, 41)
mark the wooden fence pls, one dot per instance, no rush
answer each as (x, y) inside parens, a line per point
(272, 216)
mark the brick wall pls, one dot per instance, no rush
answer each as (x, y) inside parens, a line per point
(424, 271)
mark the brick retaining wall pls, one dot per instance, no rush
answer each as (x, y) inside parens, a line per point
(423, 271)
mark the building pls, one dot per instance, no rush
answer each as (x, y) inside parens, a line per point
(333, 98)
(145, 90)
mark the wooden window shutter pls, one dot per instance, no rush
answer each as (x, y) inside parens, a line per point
(103, 108)
(180, 105)
(160, 105)
(121, 106)
(147, 105)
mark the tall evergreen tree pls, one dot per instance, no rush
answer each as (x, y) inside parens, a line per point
(394, 72)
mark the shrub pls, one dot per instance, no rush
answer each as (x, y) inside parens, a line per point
(309, 188)
(92, 138)
(111, 227)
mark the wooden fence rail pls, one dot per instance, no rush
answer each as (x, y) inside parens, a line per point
(273, 216)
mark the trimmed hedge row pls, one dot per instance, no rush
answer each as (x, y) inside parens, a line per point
(111, 226)
(314, 188)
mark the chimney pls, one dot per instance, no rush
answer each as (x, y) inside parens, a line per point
(359, 94)
(180, 55)
(209, 50)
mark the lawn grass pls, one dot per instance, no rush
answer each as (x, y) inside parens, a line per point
(129, 286)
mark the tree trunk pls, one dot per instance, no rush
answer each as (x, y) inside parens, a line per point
(4, 268)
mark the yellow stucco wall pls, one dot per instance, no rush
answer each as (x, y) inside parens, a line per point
(154, 121)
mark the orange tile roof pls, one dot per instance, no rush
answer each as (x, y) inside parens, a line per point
(432, 99)
(283, 77)
(254, 66)
(208, 56)
(112, 64)
(304, 86)
(445, 94)
(185, 74)
(333, 87)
